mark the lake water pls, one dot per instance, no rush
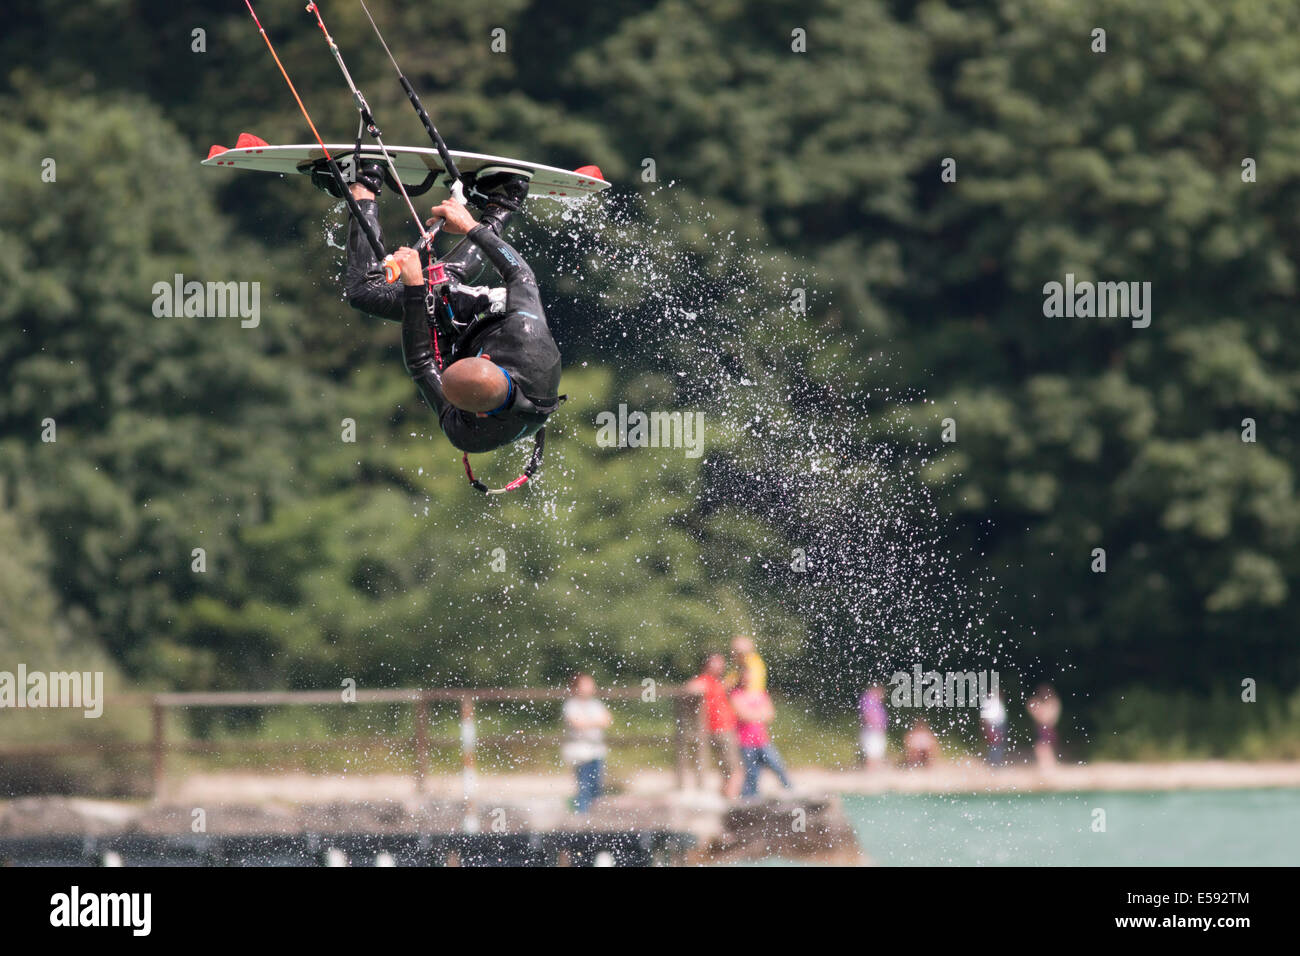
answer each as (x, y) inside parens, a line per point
(1192, 828)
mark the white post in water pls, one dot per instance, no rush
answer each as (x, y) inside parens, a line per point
(468, 741)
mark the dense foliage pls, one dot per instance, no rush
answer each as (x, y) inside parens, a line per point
(373, 559)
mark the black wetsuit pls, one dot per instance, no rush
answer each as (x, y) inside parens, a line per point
(507, 324)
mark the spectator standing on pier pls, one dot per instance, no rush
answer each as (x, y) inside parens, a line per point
(871, 708)
(993, 717)
(921, 745)
(718, 722)
(744, 656)
(754, 712)
(1045, 710)
(585, 720)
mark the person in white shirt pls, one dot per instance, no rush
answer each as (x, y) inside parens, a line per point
(585, 720)
(993, 716)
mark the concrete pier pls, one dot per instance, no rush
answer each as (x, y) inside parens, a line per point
(671, 829)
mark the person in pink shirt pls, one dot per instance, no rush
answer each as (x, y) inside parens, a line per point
(754, 712)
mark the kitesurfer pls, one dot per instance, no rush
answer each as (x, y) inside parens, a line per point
(493, 372)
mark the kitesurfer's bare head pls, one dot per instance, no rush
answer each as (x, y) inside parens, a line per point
(475, 385)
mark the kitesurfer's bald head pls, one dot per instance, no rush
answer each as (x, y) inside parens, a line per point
(475, 385)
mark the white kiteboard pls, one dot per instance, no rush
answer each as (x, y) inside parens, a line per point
(420, 168)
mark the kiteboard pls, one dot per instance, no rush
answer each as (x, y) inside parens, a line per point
(419, 168)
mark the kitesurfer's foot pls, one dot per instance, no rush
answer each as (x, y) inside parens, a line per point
(370, 175)
(499, 192)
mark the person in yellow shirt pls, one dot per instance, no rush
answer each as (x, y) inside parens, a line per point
(745, 657)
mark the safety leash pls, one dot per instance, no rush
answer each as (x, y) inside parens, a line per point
(539, 440)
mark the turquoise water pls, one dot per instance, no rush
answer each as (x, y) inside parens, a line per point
(1191, 828)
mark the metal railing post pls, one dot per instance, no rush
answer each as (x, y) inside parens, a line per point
(159, 746)
(679, 740)
(468, 742)
(421, 741)
(702, 748)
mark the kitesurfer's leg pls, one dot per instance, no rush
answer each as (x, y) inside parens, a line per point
(364, 284)
(465, 262)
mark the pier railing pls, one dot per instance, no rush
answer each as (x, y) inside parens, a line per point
(686, 736)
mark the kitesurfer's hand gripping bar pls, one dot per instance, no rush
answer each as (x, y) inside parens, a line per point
(391, 269)
(437, 272)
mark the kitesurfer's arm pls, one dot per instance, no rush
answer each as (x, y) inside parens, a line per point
(364, 283)
(522, 295)
(521, 285)
(502, 255)
(460, 427)
(417, 345)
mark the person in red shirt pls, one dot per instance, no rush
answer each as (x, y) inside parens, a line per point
(718, 722)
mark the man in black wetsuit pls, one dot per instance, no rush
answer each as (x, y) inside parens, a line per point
(501, 369)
